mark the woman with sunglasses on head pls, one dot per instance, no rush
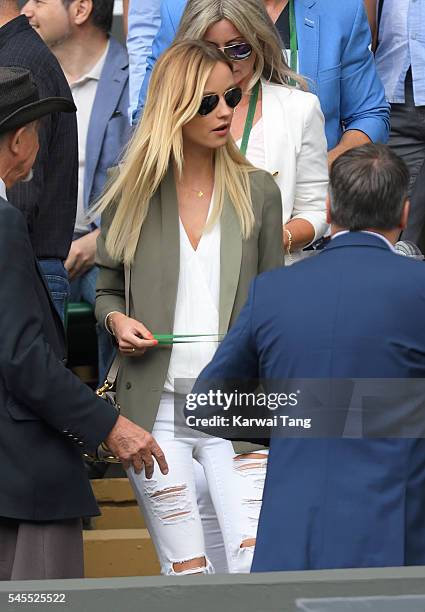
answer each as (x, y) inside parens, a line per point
(189, 222)
(279, 127)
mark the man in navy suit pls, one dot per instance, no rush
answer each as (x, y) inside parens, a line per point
(329, 502)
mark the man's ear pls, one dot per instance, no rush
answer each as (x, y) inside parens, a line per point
(81, 11)
(328, 210)
(405, 215)
(15, 140)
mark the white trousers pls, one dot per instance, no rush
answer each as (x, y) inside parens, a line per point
(230, 502)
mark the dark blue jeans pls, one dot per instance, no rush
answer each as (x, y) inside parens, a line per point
(57, 280)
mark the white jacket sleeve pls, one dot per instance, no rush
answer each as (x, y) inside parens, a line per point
(312, 170)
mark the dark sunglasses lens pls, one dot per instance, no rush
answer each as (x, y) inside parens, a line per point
(238, 52)
(233, 97)
(208, 104)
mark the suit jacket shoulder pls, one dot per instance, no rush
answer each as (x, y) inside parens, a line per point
(109, 129)
(56, 166)
(175, 10)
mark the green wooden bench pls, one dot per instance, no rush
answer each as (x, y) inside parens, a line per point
(80, 325)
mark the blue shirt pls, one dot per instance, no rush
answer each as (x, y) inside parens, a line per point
(144, 20)
(402, 44)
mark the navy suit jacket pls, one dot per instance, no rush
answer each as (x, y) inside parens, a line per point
(353, 311)
(333, 41)
(109, 130)
(47, 415)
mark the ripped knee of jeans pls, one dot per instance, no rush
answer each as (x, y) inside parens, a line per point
(252, 466)
(196, 565)
(245, 555)
(251, 463)
(170, 504)
(248, 543)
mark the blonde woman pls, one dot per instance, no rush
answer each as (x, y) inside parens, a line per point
(194, 222)
(279, 127)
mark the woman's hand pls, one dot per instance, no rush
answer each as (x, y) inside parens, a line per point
(132, 336)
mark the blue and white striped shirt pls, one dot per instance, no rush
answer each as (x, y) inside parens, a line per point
(401, 45)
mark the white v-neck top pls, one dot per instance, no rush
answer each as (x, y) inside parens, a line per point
(197, 306)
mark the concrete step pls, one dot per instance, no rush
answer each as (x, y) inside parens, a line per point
(119, 516)
(108, 490)
(117, 503)
(119, 552)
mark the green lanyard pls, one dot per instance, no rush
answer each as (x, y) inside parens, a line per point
(254, 95)
(293, 41)
(250, 117)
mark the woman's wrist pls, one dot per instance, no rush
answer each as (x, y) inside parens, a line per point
(302, 233)
(287, 240)
(109, 321)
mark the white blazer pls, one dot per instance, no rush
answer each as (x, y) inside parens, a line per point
(296, 152)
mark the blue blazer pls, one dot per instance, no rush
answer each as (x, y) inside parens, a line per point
(333, 40)
(109, 130)
(333, 502)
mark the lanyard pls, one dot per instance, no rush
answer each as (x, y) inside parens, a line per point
(293, 41)
(250, 117)
(254, 96)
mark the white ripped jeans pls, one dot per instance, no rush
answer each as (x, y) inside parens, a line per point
(170, 507)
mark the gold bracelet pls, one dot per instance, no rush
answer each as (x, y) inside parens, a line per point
(107, 324)
(288, 248)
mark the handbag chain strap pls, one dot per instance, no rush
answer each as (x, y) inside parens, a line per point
(113, 370)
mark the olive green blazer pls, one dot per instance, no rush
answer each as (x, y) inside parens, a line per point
(154, 281)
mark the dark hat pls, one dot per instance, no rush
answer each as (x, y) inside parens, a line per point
(20, 101)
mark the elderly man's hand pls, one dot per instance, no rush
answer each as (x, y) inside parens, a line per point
(135, 446)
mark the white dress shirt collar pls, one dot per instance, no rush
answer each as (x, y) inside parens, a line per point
(3, 189)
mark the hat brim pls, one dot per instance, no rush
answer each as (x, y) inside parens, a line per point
(31, 112)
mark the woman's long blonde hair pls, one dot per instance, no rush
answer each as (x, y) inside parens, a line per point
(174, 97)
(251, 19)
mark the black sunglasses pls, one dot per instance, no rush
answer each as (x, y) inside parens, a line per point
(232, 97)
(237, 51)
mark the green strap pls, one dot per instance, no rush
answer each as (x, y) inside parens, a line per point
(293, 41)
(187, 338)
(250, 117)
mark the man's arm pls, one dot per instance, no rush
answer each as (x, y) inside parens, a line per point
(144, 19)
(235, 362)
(32, 373)
(162, 41)
(364, 110)
(349, 140)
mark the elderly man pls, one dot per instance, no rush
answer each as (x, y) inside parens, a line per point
(47, 416)
(328, 502)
